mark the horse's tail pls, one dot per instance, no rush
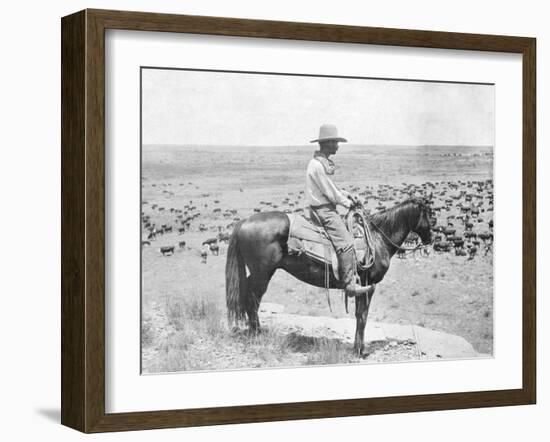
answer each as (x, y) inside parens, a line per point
(235, 280)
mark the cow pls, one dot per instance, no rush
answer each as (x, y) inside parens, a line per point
(458, 243)
(204, 253)
(167, 250)
(215, 249)
(224, 237)
(442, 246)
(485, 236)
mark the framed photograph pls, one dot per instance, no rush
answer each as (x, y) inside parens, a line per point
(268, 220)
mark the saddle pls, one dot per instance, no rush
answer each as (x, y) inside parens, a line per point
(307, 236)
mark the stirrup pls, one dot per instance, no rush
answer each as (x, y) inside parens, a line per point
(358, 290)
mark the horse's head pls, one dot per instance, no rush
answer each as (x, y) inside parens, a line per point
(423, 226)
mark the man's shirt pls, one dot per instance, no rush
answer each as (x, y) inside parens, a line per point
(319, 187)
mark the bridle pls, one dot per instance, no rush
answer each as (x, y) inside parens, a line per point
(399, 248)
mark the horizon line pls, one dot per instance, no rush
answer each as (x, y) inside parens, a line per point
(312, 145)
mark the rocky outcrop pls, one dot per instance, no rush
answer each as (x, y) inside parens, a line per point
(429, 344)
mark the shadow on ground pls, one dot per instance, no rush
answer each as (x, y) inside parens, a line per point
(51, 414)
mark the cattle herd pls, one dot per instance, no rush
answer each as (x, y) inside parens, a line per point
(167, 226)
(461, 216)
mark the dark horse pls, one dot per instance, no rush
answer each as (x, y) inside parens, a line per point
(259, 243)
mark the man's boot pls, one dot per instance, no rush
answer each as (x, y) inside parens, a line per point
(346, 261)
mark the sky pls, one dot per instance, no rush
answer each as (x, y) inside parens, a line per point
(222, 108)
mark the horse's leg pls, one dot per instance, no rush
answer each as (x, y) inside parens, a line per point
(257, 286)
(362, 305)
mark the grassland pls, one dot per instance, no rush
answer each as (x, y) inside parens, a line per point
(183, 300)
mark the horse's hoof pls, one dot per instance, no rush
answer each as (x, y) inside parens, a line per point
(361, 354)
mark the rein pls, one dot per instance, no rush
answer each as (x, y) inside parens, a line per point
(400, 248)
(370, 252)
(405, 249)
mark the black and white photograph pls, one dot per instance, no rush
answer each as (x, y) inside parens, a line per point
(309, 220)
(233, 221)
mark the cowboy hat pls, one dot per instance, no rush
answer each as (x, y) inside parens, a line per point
(328, 132)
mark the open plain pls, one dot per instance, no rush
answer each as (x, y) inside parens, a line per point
(193, 195)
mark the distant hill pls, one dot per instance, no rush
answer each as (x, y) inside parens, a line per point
(306, 147)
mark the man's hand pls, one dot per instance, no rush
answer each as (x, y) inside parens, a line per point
(351, 199)
(347, 194)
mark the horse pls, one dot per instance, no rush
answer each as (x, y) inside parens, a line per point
(259, 243)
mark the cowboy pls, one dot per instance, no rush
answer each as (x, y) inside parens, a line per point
(323, 196)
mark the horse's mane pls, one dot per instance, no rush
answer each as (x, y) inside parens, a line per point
(392, 219)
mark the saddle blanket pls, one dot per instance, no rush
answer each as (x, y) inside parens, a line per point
(309, 238)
